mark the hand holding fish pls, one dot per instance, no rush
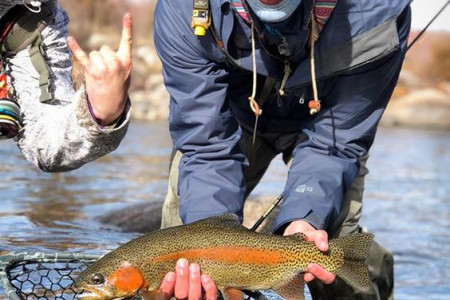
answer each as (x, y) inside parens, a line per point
(320, 239)
(231, 254)
(188, 283)
(107, 75)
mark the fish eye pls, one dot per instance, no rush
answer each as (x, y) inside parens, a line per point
(97, 278)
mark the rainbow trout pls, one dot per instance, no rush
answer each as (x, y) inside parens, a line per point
(235, 257)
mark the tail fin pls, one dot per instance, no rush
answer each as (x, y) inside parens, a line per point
(356, 249)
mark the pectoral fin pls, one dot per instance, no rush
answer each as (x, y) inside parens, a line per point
(153, 295)
(293, 289)
(232, 294)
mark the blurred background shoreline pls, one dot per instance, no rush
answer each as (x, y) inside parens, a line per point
(421, 99)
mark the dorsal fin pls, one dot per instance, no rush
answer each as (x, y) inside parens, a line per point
(298, 236)
(227, 219)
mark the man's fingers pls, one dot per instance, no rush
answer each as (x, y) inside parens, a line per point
(195, 286)
(308, 277)
(97, 63)
(182, 279)
(125, 47)
(320, 273)
(187, 282)
(168, 284)
(321, 240)
(211, 291)
(109, 58)
(77, 52)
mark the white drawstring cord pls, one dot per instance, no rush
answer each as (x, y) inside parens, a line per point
(314, 105)
(253, 104)
(287, 72)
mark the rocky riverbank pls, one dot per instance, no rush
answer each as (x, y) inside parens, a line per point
(421, 99)
(413, 105)
(426, 108)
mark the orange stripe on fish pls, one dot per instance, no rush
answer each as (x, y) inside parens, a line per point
(224, 249)
(230, 255)
(127, 279)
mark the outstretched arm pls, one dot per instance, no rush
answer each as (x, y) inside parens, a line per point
(62, 134)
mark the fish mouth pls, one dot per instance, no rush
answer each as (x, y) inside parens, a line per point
(98, 293)
(89, 296)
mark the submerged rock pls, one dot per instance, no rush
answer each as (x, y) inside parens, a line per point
(141, 217)
(146, 217)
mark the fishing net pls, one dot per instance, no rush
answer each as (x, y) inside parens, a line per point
(41, 276)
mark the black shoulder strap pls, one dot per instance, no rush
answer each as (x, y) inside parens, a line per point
(26, 31)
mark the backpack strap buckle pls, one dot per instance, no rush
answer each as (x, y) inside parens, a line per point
(201, 19)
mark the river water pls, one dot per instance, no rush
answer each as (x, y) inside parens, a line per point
(407, 200)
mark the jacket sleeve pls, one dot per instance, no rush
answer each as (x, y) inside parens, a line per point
(325, 166)
(61, 134)
(201, 124)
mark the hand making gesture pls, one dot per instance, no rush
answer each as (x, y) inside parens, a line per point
(107, 74)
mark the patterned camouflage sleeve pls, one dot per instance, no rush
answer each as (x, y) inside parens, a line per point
(59, 135)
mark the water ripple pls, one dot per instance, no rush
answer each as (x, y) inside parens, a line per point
(407, 200)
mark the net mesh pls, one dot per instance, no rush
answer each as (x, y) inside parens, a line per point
(46, 280)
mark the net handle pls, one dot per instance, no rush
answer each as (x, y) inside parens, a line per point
(7, 286)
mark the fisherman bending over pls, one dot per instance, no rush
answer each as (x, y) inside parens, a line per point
(57, 127)
(256, 78)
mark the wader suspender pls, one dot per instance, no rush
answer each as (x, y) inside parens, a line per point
(26, 31)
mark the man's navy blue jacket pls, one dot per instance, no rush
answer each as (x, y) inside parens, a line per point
(359, 54)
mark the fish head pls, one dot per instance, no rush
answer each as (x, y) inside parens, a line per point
(102, 284)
